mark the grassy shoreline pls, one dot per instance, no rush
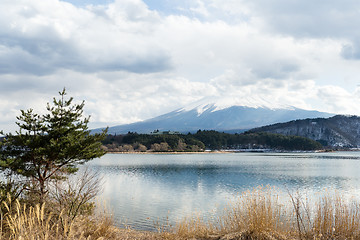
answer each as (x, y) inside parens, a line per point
(262, 213)
(268, 214)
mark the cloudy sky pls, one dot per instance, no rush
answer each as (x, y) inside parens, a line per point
(135, 59)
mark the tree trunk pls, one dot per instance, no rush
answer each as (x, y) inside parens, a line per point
(42, 191)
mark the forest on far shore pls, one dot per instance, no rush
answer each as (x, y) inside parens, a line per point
(206, 140)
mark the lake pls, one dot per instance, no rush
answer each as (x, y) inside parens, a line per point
(144, 189)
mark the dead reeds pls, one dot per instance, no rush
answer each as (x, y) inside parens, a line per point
(267, 213)
(263, 213)
(38, 223)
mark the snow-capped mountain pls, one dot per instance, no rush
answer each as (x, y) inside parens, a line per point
(220, 103)
(219, 115)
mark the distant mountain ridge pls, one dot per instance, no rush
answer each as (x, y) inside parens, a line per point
(213, 116)
(336, 131)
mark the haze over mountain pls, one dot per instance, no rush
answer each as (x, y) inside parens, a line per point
(221, 114)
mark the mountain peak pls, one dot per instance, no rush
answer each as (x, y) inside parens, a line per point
(213, 104)
(222, 114)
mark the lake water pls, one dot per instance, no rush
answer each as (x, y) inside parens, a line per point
(144, 189)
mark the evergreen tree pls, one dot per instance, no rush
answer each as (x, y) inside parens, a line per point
(49, 146)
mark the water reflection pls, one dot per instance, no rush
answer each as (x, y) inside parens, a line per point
(143, 189)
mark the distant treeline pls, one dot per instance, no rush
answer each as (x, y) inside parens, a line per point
(207, 139)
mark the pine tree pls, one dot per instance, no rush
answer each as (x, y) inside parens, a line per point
(49, 146)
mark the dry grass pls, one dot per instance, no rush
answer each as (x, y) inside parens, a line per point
(259, 214)
(335, 219)
(37, 223)
(257, 211)
(256, 214)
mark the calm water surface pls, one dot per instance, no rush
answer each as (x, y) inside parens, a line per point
(142, 189)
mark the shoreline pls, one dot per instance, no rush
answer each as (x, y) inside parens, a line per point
(205, 152)
(234, 151)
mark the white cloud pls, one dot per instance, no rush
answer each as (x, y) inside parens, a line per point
(39, 38)
(337, 99)
(200, 9)
(131, 63)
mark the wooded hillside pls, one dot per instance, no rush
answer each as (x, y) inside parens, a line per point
(202, 140)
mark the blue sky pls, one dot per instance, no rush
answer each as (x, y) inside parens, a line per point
(162, 6)
(131, 60)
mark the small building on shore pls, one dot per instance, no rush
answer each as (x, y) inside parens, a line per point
(157, 132)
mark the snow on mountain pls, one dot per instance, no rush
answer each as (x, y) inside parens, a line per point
(221, 114)
(220, 103)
